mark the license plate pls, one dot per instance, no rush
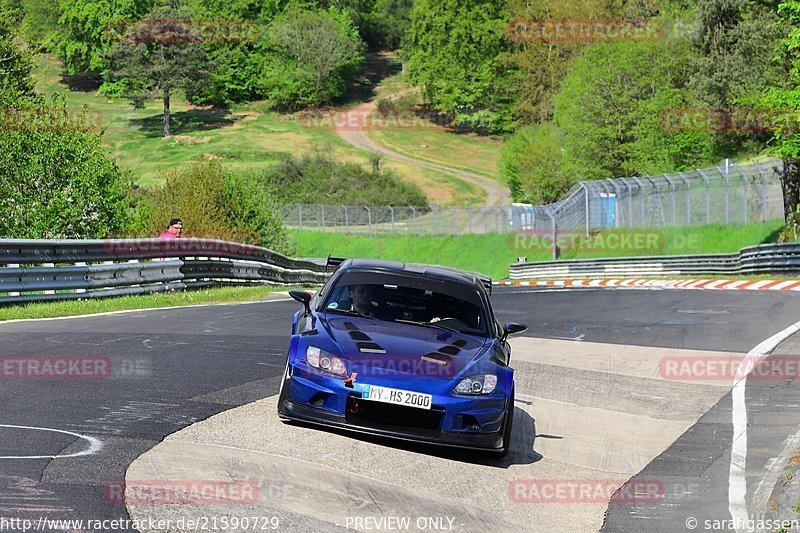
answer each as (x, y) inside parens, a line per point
(397, 397)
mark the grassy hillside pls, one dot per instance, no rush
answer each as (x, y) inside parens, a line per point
(243, 137)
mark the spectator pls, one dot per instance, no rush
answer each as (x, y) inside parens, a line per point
(174, 231)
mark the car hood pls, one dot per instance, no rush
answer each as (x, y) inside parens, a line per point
(378, 348)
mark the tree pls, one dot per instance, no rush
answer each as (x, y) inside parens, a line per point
(784, 102)
(734, 41)
(158, 55)
(455, 51)
(322, 47)
(540, 67)
(87, 34)
(532, 164)
(56, 180)
(610, 110)
(16, 65)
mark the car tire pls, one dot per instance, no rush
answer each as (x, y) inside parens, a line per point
(508, 426)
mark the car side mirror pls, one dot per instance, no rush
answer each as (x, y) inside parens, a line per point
(513, 328)
(304, 298)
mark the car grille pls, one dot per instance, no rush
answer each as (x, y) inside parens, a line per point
(394, 417)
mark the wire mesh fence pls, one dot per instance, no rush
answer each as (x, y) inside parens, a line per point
(729, 194)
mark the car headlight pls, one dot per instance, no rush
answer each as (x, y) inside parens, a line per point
(319, 358)
(476, 385)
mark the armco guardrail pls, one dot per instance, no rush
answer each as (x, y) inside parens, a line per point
(761, 259)
(35, 270)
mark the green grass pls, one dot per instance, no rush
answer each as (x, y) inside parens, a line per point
(710, 239)
(145, 301)
(436, 145)
(244, 137)
(491, 254)
(249, 137)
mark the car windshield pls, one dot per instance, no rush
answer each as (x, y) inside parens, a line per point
(420, 301)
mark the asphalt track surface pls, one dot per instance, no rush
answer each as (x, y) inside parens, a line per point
(171, 368)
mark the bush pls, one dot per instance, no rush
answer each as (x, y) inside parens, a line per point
(402, 106)
(56, 181)
(532, 165)
(318, 179)
(215, 204)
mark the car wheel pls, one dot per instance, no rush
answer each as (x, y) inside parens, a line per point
(508, 426)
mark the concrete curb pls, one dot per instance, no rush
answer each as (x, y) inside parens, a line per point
(699, 284)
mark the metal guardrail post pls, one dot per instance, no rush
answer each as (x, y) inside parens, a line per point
(413, 219)
(300, 215)
(452, 220)
(346, 220)
(469, 219)
(322, 219)
(13, 265)
(394, 226)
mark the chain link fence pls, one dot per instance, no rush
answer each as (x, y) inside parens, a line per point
(728, 194)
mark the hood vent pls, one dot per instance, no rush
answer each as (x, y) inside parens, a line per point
(370, 347)
(450, 350)
(436, 358)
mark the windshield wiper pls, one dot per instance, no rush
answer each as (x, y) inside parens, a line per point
(428, 325)
(348, 312)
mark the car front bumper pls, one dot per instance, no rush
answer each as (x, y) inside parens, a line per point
(464, 422)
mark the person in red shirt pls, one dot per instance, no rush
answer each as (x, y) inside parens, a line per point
(174, 231)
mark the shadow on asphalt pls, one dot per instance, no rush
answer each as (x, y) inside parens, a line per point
(521, 452)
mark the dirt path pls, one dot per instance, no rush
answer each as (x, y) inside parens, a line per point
(353, 125)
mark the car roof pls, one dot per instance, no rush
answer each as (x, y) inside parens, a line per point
(436, 271)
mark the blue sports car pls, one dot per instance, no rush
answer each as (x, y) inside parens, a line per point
(405, 351)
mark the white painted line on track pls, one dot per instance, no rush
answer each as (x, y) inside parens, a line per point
(95, 445)
(737, 482)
